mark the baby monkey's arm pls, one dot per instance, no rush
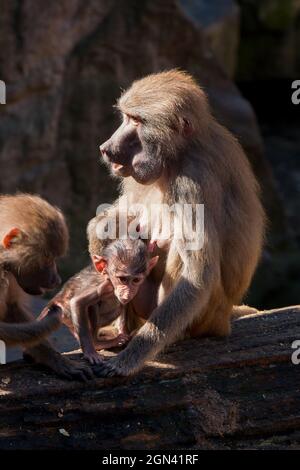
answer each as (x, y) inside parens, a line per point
(79, 306)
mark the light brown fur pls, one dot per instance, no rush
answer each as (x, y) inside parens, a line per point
(32, 235)
(194, 160)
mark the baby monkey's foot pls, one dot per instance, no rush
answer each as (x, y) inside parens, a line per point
(116, 342)
(93, 357)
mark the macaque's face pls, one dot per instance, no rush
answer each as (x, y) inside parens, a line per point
(34, 272)
(125, 285)
(36, 279)
(132, 151)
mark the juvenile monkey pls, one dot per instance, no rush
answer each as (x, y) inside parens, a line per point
(97, 296)
(33, 234)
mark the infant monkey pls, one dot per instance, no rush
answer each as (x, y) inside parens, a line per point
(97, 296)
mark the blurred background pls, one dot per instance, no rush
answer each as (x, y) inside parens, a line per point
(65, 62)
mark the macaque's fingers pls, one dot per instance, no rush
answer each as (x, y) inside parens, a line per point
(61, 365)
(123, 338)
(71, 370)
(107, 369)
(53, 310)
(93, 358)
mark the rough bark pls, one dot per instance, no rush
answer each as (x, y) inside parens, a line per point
(233, 393)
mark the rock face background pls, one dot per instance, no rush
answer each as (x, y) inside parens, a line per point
(64, 64)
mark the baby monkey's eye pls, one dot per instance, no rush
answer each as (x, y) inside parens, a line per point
(123, 279)
(136, 280)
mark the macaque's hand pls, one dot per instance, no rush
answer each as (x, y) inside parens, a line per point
(109, 368)
(71, 370)
(55, 310)
(93, 357)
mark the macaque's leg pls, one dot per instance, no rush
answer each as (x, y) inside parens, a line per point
(45, 354)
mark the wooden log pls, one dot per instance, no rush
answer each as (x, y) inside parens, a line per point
(233, 393)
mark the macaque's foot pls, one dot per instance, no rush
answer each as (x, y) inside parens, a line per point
(116, 342)
(72, 370)
(108, 368)
(93, 357)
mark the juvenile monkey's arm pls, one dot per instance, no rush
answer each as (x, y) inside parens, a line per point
(17, 331)
(79, 312)
(45, 354)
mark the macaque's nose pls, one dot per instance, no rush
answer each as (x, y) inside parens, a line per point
(105, 150)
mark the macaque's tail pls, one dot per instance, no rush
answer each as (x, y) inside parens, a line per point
(243, 310)
(31, 333)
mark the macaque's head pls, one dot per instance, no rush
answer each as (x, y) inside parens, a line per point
(33, 234)
(126, 263)
(161, 114)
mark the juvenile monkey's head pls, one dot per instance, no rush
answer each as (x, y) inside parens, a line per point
(33, 234)
(161, 115)
(126, 263)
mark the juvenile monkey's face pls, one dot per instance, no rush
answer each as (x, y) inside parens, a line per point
(38, 278)
(125, 285)
(131, 151)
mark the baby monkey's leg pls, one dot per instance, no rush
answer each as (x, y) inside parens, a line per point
(114, 336)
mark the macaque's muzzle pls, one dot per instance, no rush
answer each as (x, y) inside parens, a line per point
(120, 149)
(125, 294)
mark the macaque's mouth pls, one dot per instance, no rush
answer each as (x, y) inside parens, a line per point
(121, 170)
(37, 290)
(34, 290)
(117, 167)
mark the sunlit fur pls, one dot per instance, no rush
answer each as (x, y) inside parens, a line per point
(42, 237)
(202, 163)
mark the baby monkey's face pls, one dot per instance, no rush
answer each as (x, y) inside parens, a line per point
(125, 283)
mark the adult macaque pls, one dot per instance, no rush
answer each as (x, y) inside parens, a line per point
(169, 149)
(33, 234)
(96, 296)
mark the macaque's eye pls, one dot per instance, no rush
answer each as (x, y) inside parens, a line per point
(136, 280)
(123, 279)
(47, 262)
(134, 120)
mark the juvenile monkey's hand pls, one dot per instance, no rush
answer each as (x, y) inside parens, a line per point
(54, 310)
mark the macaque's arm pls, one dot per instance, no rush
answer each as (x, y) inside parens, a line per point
(45, 354)
(165, 324)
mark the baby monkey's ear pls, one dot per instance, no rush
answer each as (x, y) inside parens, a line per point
(11, 237)
(152, 263)
(100, 263)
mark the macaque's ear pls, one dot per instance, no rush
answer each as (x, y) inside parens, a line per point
(11, 237)
(100, 263)
(152, 263)
(187, 128)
